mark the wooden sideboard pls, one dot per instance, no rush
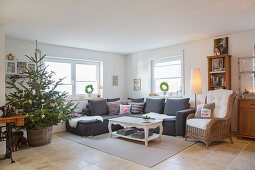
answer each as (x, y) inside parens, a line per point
(246, 117)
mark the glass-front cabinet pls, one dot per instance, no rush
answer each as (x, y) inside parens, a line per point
(246, 76)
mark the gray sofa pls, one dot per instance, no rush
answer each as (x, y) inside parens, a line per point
(180, 108)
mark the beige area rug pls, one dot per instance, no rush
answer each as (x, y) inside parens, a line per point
(134, 150)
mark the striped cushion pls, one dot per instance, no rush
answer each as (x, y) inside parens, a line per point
(137, 108)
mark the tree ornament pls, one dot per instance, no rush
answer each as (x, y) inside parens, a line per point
(30, 101)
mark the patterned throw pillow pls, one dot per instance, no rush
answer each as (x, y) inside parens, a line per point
(206, 113)
(123, 102)
(200, 107)
(113, 108)
(125, 109)
(137, 108)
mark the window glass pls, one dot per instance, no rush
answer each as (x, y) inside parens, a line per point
(61, 70)
(80, 87)
(168, 70)
(78, 74)
(85, 72)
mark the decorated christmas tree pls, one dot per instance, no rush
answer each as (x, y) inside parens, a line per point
(36, 96)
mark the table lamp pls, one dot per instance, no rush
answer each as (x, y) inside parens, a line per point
(195, 83)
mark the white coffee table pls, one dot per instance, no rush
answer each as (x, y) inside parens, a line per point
(139, 123)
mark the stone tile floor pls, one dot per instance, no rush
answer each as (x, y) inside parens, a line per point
(63, 154)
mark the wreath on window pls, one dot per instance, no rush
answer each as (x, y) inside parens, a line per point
(164, 86)
(89, 88)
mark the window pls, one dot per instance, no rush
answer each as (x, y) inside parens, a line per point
(168, 70)
(77, 74)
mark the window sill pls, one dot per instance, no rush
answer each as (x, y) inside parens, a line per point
(166, 96)
(81, 99)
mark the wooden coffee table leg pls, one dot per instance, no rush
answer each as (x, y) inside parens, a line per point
(110, 128)
(146, 136)
(160, 131)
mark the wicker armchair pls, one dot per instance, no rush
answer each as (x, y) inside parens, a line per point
(219, 127)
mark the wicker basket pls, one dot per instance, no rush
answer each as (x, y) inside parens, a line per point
(39, 137)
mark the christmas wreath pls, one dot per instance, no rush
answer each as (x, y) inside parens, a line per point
(89, 88)
(164, 86)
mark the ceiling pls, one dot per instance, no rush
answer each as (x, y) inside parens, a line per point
(124, 26)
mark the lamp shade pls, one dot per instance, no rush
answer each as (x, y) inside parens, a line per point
(195, 81)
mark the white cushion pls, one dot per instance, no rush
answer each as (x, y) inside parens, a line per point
(220, 98)
(198, 123)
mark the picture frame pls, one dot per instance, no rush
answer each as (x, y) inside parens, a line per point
(221, 46)
(137, 84)
(21, 67)
(115, 80)
(11, 67)
(218, 64)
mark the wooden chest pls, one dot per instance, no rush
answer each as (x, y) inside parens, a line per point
(246, 118)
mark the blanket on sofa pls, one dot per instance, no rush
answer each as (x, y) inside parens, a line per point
(158, 116)
(73, 122)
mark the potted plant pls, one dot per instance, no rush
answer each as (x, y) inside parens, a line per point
(89, 89)
(36, 97)
(164, 87)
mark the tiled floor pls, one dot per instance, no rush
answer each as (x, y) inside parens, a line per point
(63, 154)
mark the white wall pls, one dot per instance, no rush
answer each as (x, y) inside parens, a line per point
(113, 64)
(139, 64)
(2, 76)
(2, 65)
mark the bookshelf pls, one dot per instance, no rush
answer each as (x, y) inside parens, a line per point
(219, 72)
(18, 68)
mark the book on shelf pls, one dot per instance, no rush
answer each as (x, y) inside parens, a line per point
(218, 81)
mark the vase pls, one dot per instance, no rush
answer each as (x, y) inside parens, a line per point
(39, 137)
(89, 94)
(164, 93)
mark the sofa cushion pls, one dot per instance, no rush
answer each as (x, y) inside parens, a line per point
(199, 123)
(98, 107)
(154, 105)
(174, 105)
(88, 122)
(125, 109)
(136, 100)
(112, 100)
(136, 108)
(123, 102)
(113, 108)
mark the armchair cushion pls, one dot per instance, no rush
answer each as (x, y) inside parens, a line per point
(200, 107)
(220, 98)
(199, 123)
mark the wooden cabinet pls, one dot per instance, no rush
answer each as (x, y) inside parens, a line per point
(219, 72)
(246, 118)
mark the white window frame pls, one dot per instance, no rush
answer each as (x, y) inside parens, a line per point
(73, 63)
(172, 58)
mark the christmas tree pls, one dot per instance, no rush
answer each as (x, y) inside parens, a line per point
(36, 96)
